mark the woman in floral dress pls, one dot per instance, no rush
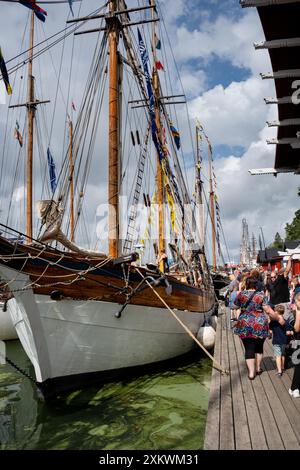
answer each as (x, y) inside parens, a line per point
(252, 325)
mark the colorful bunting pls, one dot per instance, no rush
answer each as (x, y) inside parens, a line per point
(4, 73)
(145, 60)
(38, 11)
(18, 135)
(51, 166)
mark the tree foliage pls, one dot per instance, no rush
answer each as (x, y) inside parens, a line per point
(292, 230)
(278, 242)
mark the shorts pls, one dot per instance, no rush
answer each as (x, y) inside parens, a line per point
(279, 349)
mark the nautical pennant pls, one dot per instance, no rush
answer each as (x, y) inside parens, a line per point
(157, 43)
(38, 11)
(52, 174)
(4, 73)
(176, 136)
(73, 106)
(18, 135)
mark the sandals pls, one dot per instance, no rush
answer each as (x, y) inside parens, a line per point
(260, 371)
(251, 378)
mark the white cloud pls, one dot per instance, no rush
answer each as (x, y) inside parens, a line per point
(193, 81)
(226, 39)
(264, 201)
(233, 115)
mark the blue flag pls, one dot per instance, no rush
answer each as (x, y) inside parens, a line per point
(52, 175)
(145, 60)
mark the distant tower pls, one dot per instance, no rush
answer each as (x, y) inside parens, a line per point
(254, 250)
(245, 244)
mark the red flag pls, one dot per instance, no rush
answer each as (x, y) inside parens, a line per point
(159, 65)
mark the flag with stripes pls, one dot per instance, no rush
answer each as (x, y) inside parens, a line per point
(38, 11)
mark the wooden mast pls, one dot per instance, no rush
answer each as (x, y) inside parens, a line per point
(159, 170)
(199, 189)
(113, 151)
(30, 117)
(212, 209)
(71, 178)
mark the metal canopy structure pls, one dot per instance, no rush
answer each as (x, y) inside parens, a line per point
(280, 22)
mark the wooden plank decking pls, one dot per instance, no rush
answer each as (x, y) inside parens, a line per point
(244, 414)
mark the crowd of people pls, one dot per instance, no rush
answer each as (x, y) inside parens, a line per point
(267, 305)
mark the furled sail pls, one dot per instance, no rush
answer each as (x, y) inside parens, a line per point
(51, 214)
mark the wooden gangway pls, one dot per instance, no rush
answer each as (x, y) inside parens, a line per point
(248, 414)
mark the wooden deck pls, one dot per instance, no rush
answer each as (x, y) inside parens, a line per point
(244, 414)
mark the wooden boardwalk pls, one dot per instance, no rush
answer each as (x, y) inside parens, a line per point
(244, 414)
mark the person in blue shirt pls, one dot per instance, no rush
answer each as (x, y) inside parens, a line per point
(280, 334)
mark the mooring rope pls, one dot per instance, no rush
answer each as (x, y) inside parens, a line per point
(216, 364)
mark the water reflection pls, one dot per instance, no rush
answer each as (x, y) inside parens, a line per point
(165, 410)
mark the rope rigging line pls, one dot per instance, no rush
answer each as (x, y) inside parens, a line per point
(216, 364)
(72, 29)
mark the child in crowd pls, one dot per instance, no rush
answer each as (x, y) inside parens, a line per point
(280, 335)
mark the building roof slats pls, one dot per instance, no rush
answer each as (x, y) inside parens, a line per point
(277, 43)
(280, 22)
(264, 3)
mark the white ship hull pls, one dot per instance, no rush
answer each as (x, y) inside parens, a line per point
(68, 338)
(7, 328)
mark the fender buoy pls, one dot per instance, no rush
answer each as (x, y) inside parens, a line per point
(207, 336)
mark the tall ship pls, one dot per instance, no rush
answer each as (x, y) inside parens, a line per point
(86, 312)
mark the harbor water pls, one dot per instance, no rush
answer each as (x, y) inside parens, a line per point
(162, 410)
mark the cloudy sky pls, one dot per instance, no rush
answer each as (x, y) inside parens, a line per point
(212, 42)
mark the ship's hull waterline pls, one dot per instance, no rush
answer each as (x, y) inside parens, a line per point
(73, 342)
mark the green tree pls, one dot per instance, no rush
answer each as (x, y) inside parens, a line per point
(278, 242)
(292, 230)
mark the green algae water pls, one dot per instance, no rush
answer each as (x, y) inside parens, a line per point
(165, 410)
